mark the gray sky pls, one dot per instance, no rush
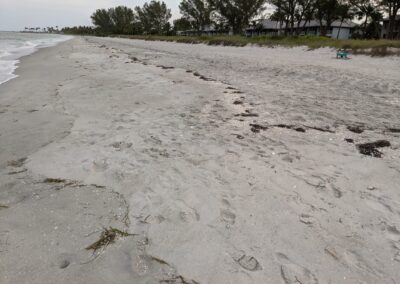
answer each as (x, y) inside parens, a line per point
(17, 14)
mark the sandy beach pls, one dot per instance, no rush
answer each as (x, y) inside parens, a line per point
(126, 161)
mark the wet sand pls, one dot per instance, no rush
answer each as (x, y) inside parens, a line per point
(125, 161)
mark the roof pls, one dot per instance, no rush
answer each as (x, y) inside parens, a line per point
(276, 25)
(272, 25)
(397, 18)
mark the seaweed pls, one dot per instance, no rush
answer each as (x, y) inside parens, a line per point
(165, 67)
(320, 129)
(249, 114)
(257, 127)
(159, 260)
(107, 237)
(293, 127)
(370, 149)
(54, 180)
(394, 130)
(355, 129)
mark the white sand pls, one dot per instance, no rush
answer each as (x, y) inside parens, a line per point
(155, 152)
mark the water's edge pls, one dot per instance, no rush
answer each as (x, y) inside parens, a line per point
(9, 61)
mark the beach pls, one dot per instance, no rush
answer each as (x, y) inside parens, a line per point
(127, 161)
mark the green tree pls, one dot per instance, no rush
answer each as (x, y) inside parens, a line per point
(182, 24)
(326, 12)
(367, 11)
(284, 12)
(304, 12)
(344, 12)
(197, 11)
(122, 19)
(238, 13)
(102, 20)
(391, 7)
(154, 17)
(117, 20)
(373, 30)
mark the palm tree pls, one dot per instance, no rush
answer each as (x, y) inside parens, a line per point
(344, 12)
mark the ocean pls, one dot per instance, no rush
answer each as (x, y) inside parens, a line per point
(14, 45)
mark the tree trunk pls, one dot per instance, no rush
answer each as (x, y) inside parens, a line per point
(340, 27)
(365, 26)
(298, 26)
(322, 29)
(286, 27)
(391, 26)
(292, 26)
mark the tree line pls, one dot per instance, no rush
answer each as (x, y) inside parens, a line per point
(42, 30)
(153, 18)
(370, 12)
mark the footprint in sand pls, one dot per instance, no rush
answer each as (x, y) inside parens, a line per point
(16, 163)
(381, 204)
(100, 165)
(336, 191)
(120, 145)
(249, 263)
(391, 231)
(350, 259)
(187, 214)
(292, 273)
(227, 216)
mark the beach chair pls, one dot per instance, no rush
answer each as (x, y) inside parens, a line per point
(342, 53)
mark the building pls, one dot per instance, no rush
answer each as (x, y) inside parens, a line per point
(339, 30)
(396, 30)
(208, 30)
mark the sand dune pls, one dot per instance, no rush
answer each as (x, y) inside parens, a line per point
(126, 161)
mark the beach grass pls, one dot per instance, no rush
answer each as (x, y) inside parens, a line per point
(371, 47)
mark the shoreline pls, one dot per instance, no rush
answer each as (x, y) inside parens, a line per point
(129, 161)
(16, 58)
(14, 90)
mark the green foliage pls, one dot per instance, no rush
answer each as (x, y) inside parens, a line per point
(238, 13)
(391, 7)
(371, 16)
(154, 17)
(122, 18)
(102, 20)
(182, 24)
(80, 30)
(198, 12)
(370, 47)
(326, 11)
(118, 20)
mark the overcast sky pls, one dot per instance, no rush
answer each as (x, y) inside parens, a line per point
(17, 14)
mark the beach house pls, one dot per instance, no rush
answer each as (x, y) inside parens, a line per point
(396, 29)
(338, 29)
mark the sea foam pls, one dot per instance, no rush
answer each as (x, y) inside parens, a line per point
(14, 45)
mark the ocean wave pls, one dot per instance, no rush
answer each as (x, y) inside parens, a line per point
(15, 45)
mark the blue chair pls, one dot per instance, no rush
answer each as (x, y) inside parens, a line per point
(342, 53)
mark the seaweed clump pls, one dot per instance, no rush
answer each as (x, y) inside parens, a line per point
(107, 237)
(371, 149)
